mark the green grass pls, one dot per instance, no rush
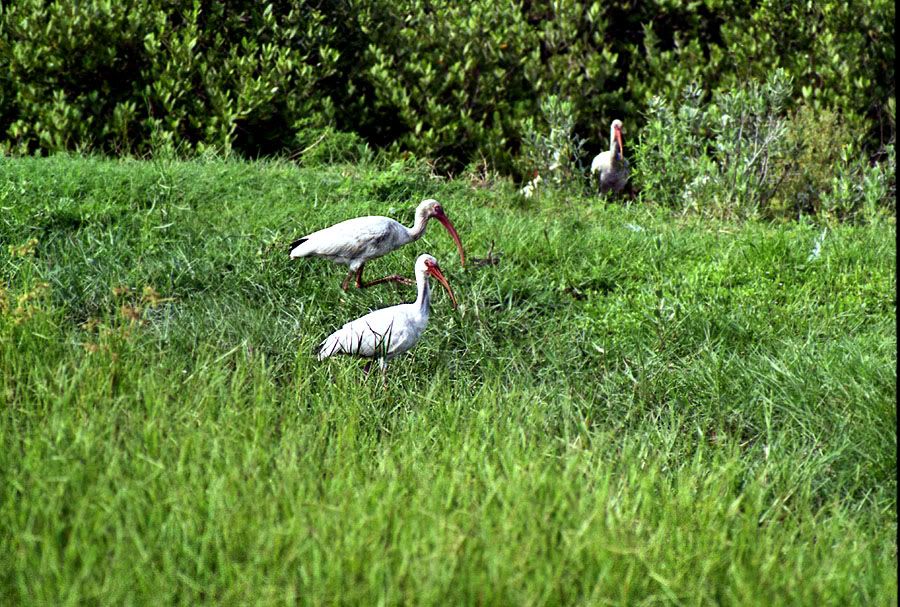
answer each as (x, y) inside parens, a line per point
(630, 408)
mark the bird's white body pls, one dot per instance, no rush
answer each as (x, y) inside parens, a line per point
(610, 166)
(355, 241)
(382, 334)
(385, 333)
(612, 173)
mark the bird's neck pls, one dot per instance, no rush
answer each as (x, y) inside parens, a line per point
(418, 228)
(614, 147)
(423, 299)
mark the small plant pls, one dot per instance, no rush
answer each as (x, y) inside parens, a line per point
(815, 138)
(750, 150)
(859, 189)
(670, 147)
(330, 146)
(744, 154)
(556, 152)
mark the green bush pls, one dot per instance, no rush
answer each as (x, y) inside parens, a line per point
(553, 149)
(136, 77)
(840, 54)
(455, 82)
(745, 154)
(860, 189)
(326, 145)
(437, 71)
(816, 139)
(460, 79)
(671, 143)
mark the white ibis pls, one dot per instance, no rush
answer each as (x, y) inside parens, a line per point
(356, 241)
(385, 333)
(611, 166)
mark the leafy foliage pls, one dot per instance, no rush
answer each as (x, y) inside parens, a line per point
(148, 76)
(859, 188)
(318, 146)
(743, 153)
(553, 149)
(463, 78)
(446, 80)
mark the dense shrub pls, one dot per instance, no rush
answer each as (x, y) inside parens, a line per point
(744, 153)
(140, 76)
(860, 189)
(460, 79)
(438, 72)
(840, 54)
(452, 81)
(316, 146)
(551, 147)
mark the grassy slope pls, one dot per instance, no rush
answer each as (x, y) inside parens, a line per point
(629, 408)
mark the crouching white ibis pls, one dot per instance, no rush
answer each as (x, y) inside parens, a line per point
(356, 241)
(610, 166)
(385, 333)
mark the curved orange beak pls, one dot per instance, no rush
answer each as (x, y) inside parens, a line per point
(436, 272)
(619, 141)
(445, 221)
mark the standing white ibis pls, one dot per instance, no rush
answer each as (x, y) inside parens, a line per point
(385, 333)
(356, 241)
(610, 166)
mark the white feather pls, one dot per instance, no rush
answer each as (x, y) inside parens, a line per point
(385, 333)
(354, 240)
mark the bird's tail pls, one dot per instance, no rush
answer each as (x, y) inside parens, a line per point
(327, 348)
(296, 244)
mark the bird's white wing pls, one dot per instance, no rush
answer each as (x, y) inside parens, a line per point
(601, 162)
(377, 334)
(353, 238)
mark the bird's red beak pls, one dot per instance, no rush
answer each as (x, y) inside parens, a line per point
(436, 272)
(619, 141)
(445, 221)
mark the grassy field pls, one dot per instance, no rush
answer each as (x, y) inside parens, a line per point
(629, 408)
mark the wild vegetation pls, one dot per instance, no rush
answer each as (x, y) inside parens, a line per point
(683, 394)
(629, 406)
(454, 82)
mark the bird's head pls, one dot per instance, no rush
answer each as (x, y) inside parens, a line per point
(432, 208)
(615, 134)
(428, 265)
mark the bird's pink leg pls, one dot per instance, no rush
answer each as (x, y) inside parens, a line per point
(346, 284)
(392, 278)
